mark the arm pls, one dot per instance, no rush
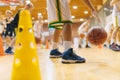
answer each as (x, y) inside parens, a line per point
(4, 23)
(15, 21)
(9, 1)
(34, 27)
(8, 20)
(89, 4)
(42, 30)
(42, 26)
(87, 26)
(113, 2)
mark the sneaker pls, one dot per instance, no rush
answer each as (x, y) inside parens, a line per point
(55, 54)
(114, 47)
(105, 45)
(9, 50)
(87, 46)
(79, 46)
(70, 57)
(119, 46)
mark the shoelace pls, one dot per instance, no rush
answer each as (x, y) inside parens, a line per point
(75, 55)
(58, 52)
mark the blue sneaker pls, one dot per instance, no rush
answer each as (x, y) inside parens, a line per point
(9, 50)
(70, 57)
(55, 53)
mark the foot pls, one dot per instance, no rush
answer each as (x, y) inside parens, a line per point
(87, 46)
(9, 50)
(79, 46)
(55, 54)
(70, 57)
(119, 46)
(114, 47)
(105, 45)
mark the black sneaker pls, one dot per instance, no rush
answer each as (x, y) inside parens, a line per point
(55, 53)
(87, 46)
(105, 45)
(70, 57)
(79, 46)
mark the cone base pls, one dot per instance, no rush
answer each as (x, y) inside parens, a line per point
(2, 54)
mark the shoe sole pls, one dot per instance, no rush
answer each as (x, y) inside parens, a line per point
(115, 50)
(52, 56)
(72, 61)
(9, 53)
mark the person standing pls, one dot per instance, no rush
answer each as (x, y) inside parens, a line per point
(116, 22)
(29, 7)
(59, 17)
(82, 32)
(38, 29)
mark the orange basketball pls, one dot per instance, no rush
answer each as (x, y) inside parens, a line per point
(97, 36)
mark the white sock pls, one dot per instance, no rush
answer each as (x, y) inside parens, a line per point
(55, 45)
(80, 41)
(67, 45)
(112, 41)
(107, 45)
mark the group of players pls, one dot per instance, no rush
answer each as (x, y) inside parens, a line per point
(112, 28)
(59, 17)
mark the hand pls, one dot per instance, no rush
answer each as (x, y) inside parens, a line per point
(9, 1)
(95, 14)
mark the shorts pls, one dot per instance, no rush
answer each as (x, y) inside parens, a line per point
(116, 20)
(58, 13)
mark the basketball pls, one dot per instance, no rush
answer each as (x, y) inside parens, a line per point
(97, 36)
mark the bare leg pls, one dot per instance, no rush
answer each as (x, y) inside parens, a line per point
(82, 36)
(118, 36)
(56, 38)
(67, 36)
(12, 42)
(114, 45)
(67, 32)
(8, 40)
(80, 42)
(115, 32)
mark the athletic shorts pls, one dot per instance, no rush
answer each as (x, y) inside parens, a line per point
(58, 13)
(116, 20)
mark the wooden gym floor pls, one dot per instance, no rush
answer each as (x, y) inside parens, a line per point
(101, 64)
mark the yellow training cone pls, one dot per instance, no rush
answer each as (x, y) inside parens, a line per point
(25, 65)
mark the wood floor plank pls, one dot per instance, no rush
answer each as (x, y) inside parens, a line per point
(101, 64)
